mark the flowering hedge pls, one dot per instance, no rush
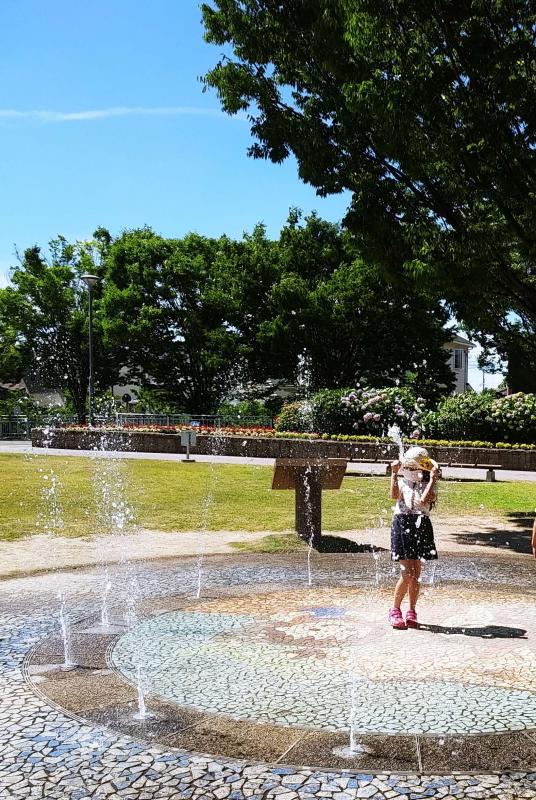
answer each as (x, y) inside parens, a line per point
(509, 419)
(361, 410)
(308, 435)
(464, 417)
(344, 437)
(200, 429)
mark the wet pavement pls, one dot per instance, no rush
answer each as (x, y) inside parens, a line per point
(254, 683)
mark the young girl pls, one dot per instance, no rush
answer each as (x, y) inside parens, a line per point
(412, 537)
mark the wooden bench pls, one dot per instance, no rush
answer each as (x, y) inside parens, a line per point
(490, 468)
(376, 460)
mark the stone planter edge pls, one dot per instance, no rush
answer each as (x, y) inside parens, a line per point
(271, 447)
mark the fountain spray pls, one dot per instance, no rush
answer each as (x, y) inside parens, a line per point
(68, 662)
(142, 713)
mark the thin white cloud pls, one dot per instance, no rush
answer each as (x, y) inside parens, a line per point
(44, 115)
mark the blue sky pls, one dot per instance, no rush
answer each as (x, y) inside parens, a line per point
(103, 122)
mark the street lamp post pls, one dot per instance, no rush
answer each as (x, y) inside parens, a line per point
(90, 281)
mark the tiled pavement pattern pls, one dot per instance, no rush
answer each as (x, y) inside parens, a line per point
(44, 753)
(291, 658)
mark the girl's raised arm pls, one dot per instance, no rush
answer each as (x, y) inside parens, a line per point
(394, 492)
(428, 496)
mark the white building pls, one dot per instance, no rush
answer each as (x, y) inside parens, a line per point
(40, 396)
(459, 362)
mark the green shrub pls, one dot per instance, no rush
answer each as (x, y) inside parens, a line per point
(329, 413)
(295, 417)
(483, 416)
(513, 418)
(462, 416)
(244, 413)
(325, 411)
(481, 419)
(343, 437)
(374, 411)
(364, 411)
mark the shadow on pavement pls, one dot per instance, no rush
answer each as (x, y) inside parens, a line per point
(515, 536)
(485, 632)
(338, 544)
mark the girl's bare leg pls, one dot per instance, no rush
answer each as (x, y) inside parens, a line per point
(402, 585)
(414, 585)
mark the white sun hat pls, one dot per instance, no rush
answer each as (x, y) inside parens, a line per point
(417, 458)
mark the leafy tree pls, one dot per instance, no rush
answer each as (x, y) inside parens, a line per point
(245, 413)
(248, 270)
(321, 299)
(195, 318)
(424, 112)
(167, 312)
(308, 252)
(385, 334)
(517, 347)
(43, 322)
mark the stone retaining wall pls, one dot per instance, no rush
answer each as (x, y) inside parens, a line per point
(258, 447)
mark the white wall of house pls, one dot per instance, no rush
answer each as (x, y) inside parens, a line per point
(458, 361)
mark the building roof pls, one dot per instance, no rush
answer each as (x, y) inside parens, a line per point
(13, 387)
(459, 341)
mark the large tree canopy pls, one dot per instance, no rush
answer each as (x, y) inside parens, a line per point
(425, 111)
(43, 321)
(200, 318)
(167, 309)
(325, 302)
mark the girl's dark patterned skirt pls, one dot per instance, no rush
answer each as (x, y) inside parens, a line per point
(412, 538)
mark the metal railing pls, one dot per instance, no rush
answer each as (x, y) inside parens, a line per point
(20, 427)
(15, 427)
(196, 420)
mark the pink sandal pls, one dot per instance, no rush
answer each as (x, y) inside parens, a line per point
(396, 620)
(411, 619)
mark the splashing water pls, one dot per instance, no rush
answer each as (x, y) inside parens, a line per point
(105, 612)
(217, 445)
(309, 523)
(395, 434)
(68, 662)
(354, 749)
(376, 555)
(50, 515)
(208, 502)
(428, 576)
(199, 575)
(142, 712)
(304, 373)
(113, 517)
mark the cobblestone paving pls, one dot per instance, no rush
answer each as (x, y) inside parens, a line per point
(294, 660)
(46, 754)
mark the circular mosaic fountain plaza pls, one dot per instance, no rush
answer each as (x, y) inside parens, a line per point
(315, 658)
(272, 670)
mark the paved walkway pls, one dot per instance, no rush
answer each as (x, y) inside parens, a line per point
(464, 536)
(453, 473)
(42, 553)
(47, 752)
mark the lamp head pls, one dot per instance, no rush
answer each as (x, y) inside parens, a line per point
(90, 280)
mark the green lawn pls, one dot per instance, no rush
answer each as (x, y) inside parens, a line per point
(166, 495)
